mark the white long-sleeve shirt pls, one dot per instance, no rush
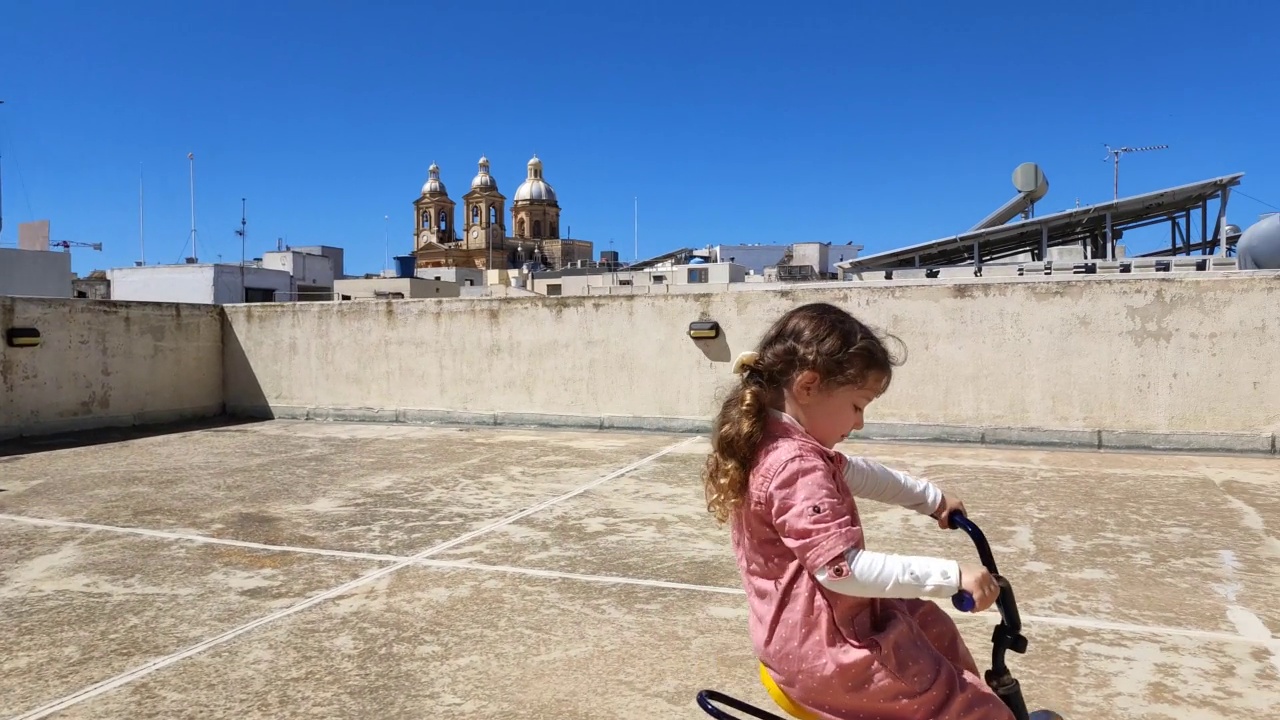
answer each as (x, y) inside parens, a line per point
(875, 574)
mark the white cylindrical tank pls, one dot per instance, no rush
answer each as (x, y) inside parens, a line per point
(1259, 246)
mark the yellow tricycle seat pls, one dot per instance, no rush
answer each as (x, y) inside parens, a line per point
(781, 699)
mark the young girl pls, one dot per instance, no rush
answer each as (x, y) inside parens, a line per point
(842, 629)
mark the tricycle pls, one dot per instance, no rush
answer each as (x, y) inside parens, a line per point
(1007, 636)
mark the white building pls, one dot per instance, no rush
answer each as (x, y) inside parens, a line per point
(393, 288)
(35, 273)
(760, 259)
(755, 257)
(466, 277)
(209, 283)
(335, 255)
(278, 276)
(312, 273)
(696, 277)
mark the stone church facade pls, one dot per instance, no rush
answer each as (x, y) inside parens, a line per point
(484, 242)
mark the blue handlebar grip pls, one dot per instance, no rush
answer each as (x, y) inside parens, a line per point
(963, 601)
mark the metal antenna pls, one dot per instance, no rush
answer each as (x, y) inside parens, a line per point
(191, 160)
(66, 245)
(2, 196)
(1114, 157)
(241, 233)
(142, 240)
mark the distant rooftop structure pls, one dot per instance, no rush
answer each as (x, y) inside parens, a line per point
(694, 276)
(755, 257)
(1087, 226)
(35, 273)
(679, 256)
(296, 274)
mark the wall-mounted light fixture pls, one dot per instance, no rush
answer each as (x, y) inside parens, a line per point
(704, 330)
(22, 337)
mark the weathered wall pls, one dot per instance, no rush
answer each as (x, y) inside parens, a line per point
(35, 273)
(1093, 362)
(410, 287)
(104, 363)
(163, 283)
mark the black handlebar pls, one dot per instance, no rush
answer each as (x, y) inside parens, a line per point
(963, 600)
(1008, 634)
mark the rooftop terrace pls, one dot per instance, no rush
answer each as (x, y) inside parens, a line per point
(286, 569)
(447, 558)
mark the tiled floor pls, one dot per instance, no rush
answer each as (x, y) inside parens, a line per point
(288, 569)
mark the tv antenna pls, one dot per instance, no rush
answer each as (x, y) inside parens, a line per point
(1114, 157)
(240, 232)
(195, 256)
(2, 195)
(66, 245)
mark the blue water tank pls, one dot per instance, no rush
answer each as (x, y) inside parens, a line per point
(404, 266)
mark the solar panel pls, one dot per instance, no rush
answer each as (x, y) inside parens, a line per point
(1068, 227)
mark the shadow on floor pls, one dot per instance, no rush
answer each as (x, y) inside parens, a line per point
(102, 436)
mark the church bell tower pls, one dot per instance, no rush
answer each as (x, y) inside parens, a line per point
(484, 206)
(434, 212)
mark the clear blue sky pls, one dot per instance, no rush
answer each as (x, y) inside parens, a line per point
(881, 124)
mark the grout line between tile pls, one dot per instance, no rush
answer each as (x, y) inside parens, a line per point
(141, 671)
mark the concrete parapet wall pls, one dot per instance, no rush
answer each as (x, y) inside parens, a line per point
(1169, 362)
(1183, 362)
(103, 364)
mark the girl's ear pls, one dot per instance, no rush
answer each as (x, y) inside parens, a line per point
(806, 385)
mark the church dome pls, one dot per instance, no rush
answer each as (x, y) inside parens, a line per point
(433, 183)
(534, 188)
(483, 179)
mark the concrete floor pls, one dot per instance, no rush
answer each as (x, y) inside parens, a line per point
(282, 570)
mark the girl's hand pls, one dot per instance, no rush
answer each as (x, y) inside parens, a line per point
(981, 584)
(945, 508)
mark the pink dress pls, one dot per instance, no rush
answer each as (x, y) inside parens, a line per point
(842, 657)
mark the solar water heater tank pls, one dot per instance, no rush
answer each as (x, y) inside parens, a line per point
(1259, 246)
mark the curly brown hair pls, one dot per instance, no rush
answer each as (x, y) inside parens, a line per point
(819, 337)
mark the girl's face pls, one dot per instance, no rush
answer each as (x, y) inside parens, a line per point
(830, 414)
